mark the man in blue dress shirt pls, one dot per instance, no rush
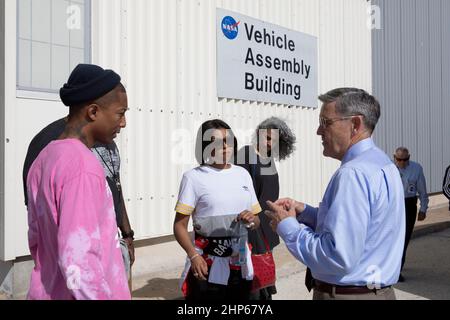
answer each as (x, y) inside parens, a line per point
(413, 183)
(353, 242)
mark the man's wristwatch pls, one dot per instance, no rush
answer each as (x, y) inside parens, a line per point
(126, 235)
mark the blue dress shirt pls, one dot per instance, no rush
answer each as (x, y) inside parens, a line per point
(414, 183)
(356, 236)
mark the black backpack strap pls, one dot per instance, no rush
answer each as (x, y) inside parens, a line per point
(252, 167)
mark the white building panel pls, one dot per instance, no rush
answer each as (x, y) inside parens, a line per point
(410, 78)
(165, 51)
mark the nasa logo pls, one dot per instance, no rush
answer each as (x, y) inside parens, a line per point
(230, 27)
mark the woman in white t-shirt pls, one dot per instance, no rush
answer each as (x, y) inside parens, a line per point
(221, 200)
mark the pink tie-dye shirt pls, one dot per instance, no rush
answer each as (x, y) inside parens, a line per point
(72, 227)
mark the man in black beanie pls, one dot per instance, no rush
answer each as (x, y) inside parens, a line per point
(86, 83)
(72, 226)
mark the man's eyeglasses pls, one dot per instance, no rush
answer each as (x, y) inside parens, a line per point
(401, 159)
(324, 122)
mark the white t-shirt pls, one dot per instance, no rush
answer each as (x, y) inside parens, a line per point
(206, 191)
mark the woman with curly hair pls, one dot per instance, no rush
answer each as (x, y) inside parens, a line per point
(272, 140)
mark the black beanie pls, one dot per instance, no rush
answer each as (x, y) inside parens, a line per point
(87, 82)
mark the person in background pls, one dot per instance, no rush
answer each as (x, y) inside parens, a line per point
(413, 184)
(273, 140)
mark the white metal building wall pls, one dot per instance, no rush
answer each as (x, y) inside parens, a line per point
(411, 77)
(165, 51)
(2, 128)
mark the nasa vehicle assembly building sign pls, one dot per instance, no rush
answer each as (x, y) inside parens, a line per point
(258, 61)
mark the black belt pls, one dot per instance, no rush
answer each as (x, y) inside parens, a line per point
(328, 288)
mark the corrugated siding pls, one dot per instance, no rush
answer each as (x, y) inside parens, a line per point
(445, 84)
(165, 51)
(2, 128)
(168, 57)
(437, 139)
(23, 118)
(410, 77)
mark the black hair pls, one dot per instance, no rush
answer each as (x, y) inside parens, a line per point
(104, 100)
(286, 138)
(201, 144)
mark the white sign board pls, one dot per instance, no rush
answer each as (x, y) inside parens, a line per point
(259, 61)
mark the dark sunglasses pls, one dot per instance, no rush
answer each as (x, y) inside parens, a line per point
(229, 141)
(401, 160)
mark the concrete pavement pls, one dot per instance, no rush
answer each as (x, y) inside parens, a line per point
(426, 271)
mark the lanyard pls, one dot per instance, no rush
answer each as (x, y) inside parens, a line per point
(113, 171)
